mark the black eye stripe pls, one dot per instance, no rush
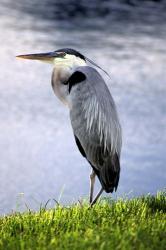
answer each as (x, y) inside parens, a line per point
(61, 53)
(71, 52)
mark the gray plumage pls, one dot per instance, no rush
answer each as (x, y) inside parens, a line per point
(96, 126)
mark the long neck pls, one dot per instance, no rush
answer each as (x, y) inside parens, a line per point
(63, 69)
(61, 74)
(60, 77)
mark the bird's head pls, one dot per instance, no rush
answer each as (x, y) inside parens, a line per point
(60, 58)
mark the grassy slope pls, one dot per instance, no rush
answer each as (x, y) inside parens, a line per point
(132, 224)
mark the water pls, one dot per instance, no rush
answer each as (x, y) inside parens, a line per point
(38, 156)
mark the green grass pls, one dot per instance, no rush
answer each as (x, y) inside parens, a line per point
(139, 223)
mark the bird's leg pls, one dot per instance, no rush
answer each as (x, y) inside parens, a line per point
(97, 196)
(92, 182)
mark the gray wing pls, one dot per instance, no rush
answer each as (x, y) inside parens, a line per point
(96, 125)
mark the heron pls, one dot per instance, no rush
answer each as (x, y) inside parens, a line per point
(93, 114)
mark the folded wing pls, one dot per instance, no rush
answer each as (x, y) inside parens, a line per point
(96, 125)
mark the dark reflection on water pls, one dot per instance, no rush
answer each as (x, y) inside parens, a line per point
(55, 9)
(37, 150)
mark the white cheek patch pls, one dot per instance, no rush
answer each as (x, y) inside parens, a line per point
(71, 61)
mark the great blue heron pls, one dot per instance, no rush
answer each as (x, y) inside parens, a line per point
(93, 114)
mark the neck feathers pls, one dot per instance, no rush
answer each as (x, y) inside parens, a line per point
(63, 70)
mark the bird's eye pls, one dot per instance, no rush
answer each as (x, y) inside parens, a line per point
(62, 54)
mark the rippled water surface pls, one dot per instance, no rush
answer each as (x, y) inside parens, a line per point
(38, 156)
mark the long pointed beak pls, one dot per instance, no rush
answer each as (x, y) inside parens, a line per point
(41, 56)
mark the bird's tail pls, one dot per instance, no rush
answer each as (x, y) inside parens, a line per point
(109, 174)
